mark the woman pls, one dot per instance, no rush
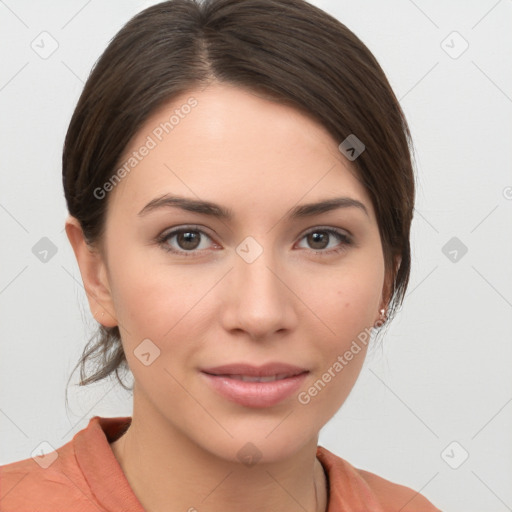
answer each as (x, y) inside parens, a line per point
(240, 191)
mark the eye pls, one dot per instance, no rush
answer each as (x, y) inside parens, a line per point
(185, 241)
(191, 240)
(319, 239)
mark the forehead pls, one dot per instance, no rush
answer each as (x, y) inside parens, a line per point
(229, 145)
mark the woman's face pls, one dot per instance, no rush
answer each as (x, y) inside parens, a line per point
(273, 288)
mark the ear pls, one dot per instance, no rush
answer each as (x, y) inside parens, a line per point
(390, 277)
(94, 274)
(387, 289)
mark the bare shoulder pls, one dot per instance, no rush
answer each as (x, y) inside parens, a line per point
(395, 497)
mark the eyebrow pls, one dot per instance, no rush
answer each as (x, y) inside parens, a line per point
(217, 211)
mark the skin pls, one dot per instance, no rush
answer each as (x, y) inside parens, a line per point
(292, 304)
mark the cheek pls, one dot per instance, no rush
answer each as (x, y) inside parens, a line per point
(347, 306)
(145, 300)
(348, 311)
(156, 300)
(159, 307)
(349, 299)
(140, 302)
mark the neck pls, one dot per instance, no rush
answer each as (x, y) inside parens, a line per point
(163, 466)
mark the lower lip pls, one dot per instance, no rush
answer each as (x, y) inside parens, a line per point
(255, 394)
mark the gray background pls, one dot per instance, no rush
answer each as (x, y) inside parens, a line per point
(443, 375)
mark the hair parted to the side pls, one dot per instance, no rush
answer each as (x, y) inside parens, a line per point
(288, 51)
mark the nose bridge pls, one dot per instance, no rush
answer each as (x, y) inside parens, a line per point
(260, 302)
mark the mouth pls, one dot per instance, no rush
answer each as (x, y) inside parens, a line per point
(248, 378)
(249, 373)
(255, 386)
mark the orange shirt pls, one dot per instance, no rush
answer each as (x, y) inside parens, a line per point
(84, 476)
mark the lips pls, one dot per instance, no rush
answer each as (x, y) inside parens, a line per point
(255, 386)
(269, 378)
(267, 372)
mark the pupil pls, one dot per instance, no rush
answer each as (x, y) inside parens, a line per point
(317, 237)
(186, 240)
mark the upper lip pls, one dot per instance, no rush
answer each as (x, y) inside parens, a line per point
(265, 370)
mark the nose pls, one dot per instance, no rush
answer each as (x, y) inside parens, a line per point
(258, 300)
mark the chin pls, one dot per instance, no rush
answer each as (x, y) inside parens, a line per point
(250, 447)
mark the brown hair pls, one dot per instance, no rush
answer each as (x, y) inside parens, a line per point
(288, 50)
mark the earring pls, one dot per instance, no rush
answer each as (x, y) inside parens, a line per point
(382, 320)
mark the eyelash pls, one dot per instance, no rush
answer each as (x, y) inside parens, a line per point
(164, 238)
